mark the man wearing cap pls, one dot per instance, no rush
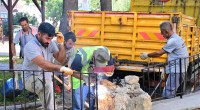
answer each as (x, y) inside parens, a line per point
(37, 55)
(85, 59)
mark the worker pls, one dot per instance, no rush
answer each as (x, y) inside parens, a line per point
(37, 55)
(69, 42)
(85, 59)
(22, 37)
(175, 49)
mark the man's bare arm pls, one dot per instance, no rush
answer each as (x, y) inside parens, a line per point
(157, 53)
(46, 65)
(61, 54)
(13, 49)
(77, 75)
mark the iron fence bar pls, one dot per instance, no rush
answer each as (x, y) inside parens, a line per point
(192, 63)
(43, 83)
(14, 89)
(170, 78)
(143, 79)
(54, 90)
(24, 90)
(63, 91)
(185, 77)
(175, 73)
(34, 87)
(154, 79)
(148, 79)
(181, 89)
(4, 89)
(97, 92)
(161, 79)
(194, 71)
(198, 70)
(72, 95)
(89, 90)
(81, 92)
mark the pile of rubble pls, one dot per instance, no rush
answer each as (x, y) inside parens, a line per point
(129, 96)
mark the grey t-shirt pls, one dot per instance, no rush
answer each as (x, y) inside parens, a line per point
(33, 49)
(176, 48)
(23, 38)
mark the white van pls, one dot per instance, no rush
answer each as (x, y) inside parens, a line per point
(15, 32)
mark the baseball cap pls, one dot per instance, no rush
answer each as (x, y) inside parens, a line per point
(102, 56)
(47, 28)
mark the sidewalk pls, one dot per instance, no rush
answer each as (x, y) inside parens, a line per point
(188, 102)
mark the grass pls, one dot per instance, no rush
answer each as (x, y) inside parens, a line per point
(5, 59)
(19, 99)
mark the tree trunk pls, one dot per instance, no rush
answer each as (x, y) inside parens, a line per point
(67, 6)
(106, 5)
(55, 23)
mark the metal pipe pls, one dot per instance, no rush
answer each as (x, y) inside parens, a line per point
(43, 10)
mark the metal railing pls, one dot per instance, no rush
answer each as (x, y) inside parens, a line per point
(180, 77)
(14, 93)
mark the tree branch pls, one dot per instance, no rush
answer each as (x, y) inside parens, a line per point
(15, 3)
(37, 5)
(4, 3)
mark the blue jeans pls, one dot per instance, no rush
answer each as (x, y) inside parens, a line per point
(172, 84)
(87, 92)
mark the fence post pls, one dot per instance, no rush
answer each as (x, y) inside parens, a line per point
(180, 80)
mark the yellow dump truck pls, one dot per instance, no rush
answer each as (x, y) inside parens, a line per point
(187, 7)
(127, 34)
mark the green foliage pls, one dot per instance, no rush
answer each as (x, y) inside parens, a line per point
(16, 17)
(5, 27)
(54, 12)
(94, 5)
(117, 5)
(32, 19)
(121, 5)
(28, 1)
(5, 59)
(19, 99)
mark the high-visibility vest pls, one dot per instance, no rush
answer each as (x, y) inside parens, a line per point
(86, 56)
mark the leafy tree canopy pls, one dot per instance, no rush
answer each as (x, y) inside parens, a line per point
(17, 16)
(54, 12)
(121, 5)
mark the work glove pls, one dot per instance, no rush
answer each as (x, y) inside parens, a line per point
(163, 74)
(60, 38)
(143, 56)
(90, 81)
(14, 58)
(66, 71)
